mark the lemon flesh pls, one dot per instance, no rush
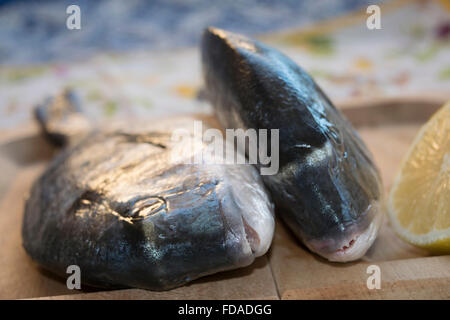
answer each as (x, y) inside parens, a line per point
(419, 202)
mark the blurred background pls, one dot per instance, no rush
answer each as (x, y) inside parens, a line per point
(135, 58)
(34, 31)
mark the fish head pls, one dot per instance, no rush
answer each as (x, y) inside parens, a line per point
(337, 203)
(328, 189)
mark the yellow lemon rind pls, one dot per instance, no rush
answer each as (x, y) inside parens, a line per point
(435, 241)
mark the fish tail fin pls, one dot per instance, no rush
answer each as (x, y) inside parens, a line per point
(60, 117)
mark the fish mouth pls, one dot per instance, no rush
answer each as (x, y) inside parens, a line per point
(351, 247)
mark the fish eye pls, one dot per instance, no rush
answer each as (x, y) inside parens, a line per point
(148, 207)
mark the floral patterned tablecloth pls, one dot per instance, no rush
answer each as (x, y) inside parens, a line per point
(408, 56)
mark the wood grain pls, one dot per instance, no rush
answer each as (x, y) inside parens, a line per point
(254, 282)
(301, 275)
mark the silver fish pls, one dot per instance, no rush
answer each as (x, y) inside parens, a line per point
(327, 189)
(116, 205)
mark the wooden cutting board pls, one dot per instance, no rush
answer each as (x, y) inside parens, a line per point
(288, 271)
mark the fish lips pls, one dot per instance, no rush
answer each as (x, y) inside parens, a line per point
(353, 241)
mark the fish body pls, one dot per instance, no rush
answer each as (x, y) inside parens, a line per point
(116, 205)
(327, 188)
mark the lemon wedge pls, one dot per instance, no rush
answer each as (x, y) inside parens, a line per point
(419, 201)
